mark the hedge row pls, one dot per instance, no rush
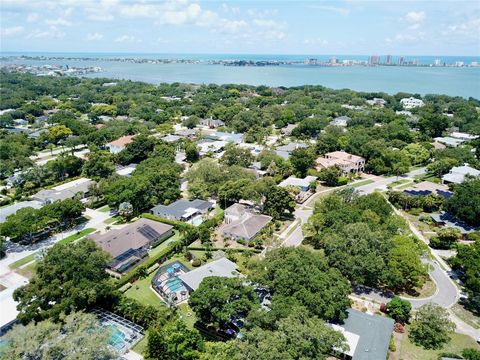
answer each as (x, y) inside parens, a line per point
(179, 225)
(199, 248)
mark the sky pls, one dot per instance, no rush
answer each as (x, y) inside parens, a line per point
(407, 27)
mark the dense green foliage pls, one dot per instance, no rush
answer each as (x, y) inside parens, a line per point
(69, 278)
(465, 202)
(360, 237)
(218, 299)
(399, 309)
(29, 224)
(432, 327)
(467, 263)
(76, 336)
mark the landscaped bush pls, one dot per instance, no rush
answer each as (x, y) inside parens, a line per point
(196, 263)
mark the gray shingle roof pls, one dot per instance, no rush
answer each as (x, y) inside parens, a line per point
(177, 210)
(374, 334)
(221, 268)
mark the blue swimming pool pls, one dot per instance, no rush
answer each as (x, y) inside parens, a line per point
(117, 338)
(175, 284)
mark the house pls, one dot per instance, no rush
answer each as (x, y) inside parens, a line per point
(340, 121)
(368, 336)
(287, 130)
(227, 137)
(207, 146)
(186, 133)
(131, 243)
(212, 123)
(376, 102)
(449, 141)
(171, 138)
(243, 224)
(348, 163)
(219, 268)
(65, 191)
(426, 188)
(184, 210)
(118, 145)
(286, 150)
(303, 184)
(411, 102)
(463, 136)
(13, 208)
(126, 170)
(448, 220)
(458, 173)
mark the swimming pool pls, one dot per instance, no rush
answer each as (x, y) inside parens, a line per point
(117, 338)
(175, 284)
(198, 220)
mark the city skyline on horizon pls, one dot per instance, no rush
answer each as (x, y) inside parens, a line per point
(341, 27)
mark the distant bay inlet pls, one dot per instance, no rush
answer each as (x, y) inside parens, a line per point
(453, 81)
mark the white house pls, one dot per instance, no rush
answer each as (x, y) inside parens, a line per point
(411, 102)
(118, 145)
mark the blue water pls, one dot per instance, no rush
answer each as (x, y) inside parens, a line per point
(175, 284)
(452, 81)
(117, 339)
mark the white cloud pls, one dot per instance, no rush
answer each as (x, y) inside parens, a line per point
(94, 36)
(58, 22)
(127, 39)
(415, 17)
(52, 33)
(339, 10)
(32, 17)
(11, 31)
(101, 11)
(317, 41)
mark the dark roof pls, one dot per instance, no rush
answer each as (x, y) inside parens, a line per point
(179, 207)
(452, 221)
(374, 334)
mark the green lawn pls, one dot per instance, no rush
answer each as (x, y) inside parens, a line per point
(112, 220)
(141, 291)
(141, 346)
(187, 315)
(23, 261)
(155, 251)
(410, 351)
(76, 236)
(104, 209)
(361, 183)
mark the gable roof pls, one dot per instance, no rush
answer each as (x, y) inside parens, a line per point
(180, 208)
(220, 268)
(122, 141)
(247, 227)
(133, 236)
(373, 335)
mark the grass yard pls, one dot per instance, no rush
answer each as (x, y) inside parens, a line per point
(410, 351)
(156, 250)
(76, 236)
(104, 209)
(428, 289)
(466, 316)
(23, 261)
(112, 220)
(404, 186)
(141, 291)
(27, 271)
(361, 183)
(141, 346)
(187, 315)
(397, 183)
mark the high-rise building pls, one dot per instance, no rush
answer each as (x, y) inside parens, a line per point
(373, 60)
(388, 60)
(436, 62)
(401, 60)
(333, 60)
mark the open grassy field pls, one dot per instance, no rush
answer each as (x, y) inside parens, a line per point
(410, 351)
(141, 291)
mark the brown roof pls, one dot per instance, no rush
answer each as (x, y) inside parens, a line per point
(132, 236)
(122, 141)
